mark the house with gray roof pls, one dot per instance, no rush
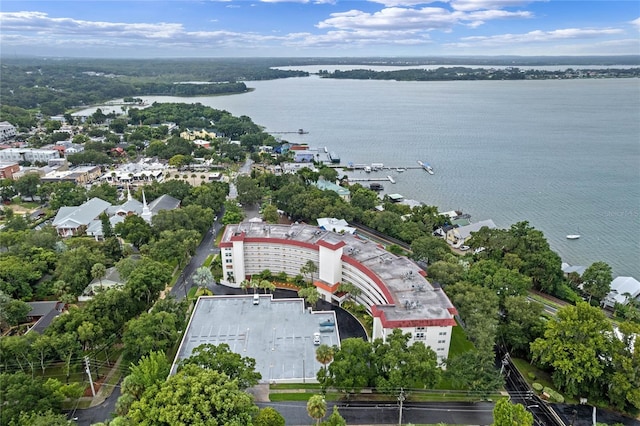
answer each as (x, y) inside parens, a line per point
(73, 220)
(458, 236)
(43, 313)
(623, 289)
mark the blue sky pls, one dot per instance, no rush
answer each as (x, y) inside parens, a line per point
(334, 28)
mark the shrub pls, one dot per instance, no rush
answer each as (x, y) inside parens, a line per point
(531, 375)
(537, 387)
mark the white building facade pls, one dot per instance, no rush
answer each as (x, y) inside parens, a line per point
(393, 288)
(28, 154)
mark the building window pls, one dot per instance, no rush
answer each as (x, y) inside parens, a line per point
(442, 333)
(440, 349)
(419, 328)
(441, 341)
(419, 336)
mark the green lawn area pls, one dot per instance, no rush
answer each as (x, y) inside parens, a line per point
(459, 342)
(208, 261)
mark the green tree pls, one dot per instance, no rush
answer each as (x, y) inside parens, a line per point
(474, 371)
(352, 366)
(324, 355)
(68, 349)
(12, 311)
(220, 358)
(429, 249)
(446, 273)
(98, 271)
(134, 230)
(22, 394)
(335, 419)
(47, 418)
(310, 268)
(232, 213)
(507, 414)
(249, 193)
(194, 396)
(203, 277)
(310, 295)
(623, 376)
(148, 333)
(268, 416)
(317, 408)
(577, 346)
(353, 291)
(27, 185)
(478, 308)
(147, 280)
(596, 280)
(148, 373)
(266, 285)
(270, 214)
(399, 364)
(521, 324)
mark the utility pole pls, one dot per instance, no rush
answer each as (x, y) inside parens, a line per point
(401, 399)
(87, 368)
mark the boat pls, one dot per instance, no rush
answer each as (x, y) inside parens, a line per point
(400, 169)
(334, 157)
(367, 169)
(427, 167)
(376, 186)
(573, 236)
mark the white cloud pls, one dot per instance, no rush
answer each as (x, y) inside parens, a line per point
(396, 3)
(393, 18)
(539, 36)
(470, 5)
(636, 23)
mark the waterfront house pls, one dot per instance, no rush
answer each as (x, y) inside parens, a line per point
(458, 236)
(623, 289)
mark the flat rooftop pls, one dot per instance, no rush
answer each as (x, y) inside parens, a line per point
(277, 333)
(414, 297)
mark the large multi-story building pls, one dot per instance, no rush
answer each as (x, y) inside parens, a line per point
(393, 288)
(7, 131)
(28, 154)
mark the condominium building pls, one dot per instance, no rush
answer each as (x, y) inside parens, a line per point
(394, 289)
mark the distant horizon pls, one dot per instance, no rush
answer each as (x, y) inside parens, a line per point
(632, 59)
(318, 28)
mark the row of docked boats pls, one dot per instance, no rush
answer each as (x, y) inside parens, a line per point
(426, 167)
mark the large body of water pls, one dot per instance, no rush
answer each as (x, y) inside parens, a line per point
(563, 155)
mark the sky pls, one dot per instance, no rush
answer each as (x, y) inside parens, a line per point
(317, 28)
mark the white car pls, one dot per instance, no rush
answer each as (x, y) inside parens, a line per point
(464, 248)
(316, 339)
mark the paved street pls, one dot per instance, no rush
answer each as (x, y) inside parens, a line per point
(460, 413)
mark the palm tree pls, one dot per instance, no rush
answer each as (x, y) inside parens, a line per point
(267, 285)
(324, 355)
(309, 268)
(193, 178)
(317, 408)
(245, 284)
(98, 271)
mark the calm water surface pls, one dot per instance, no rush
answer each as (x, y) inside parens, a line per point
(563, 155)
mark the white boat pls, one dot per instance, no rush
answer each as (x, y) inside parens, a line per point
(400, 170)
(573, 236)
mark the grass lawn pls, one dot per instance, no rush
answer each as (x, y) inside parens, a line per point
(208, 260)
(302, 396)
(295, 386)
(459, 342)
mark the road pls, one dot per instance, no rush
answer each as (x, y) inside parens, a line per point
(206, 248)
(361, 413)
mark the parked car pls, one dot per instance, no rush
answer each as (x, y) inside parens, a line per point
(464, 248)
(316, 339)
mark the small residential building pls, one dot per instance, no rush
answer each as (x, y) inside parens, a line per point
(43, 314)
(304, 156)
(326, 185)
(191, 135)
(7, 131)
(623, 289)
(568, 269)
(460, 235)
(111, 279)
(28, 154)
(332, 224)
